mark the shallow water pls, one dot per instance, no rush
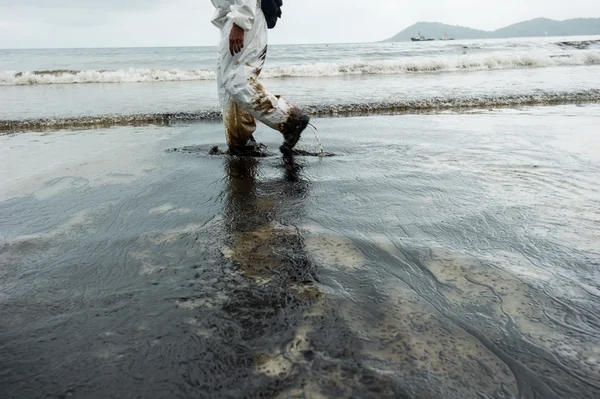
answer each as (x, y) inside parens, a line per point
(438, 256)
(479, 89)
(58, 88)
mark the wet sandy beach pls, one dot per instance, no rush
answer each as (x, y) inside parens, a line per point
(435, 256)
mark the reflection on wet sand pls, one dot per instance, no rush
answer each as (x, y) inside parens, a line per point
(432, 324)
(278, 290)
(433, 274)
(299, 336)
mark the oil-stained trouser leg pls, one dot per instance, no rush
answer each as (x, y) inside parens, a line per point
(243, 98)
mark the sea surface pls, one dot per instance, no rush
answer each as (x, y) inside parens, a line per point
(448, 249)
(118, 86)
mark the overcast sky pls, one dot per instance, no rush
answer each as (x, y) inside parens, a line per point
(130, 23)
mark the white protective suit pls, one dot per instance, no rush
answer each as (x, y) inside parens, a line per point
(242, 97)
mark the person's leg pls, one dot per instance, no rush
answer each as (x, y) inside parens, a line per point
(239, 85)
(239, 124)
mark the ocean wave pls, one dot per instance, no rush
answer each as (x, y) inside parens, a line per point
(580, 44)
(428, 105)
(437, 64)
(11, 78)
(356, 67)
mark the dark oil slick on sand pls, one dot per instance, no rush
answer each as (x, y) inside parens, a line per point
(239, 118)
(439, 256)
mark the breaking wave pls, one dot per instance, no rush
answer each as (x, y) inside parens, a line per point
(426, 105)
(580, 44)
(356, 67)
(131, 75)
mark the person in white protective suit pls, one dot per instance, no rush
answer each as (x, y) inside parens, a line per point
(241, 57)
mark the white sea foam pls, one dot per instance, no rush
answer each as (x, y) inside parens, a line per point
(354, 67)
(11, 78)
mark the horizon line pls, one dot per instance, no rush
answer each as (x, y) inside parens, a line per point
(306, 44)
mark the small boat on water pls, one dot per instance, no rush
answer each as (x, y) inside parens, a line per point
(446, 37)
(421, 38)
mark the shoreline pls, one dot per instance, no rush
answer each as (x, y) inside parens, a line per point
(425, 106)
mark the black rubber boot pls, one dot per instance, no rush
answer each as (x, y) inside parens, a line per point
(251, 141)
(292, 131)
(251, 149)
(248, 149)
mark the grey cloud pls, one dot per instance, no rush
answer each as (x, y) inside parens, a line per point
(47, 23)
(83, 4)
(80, 13)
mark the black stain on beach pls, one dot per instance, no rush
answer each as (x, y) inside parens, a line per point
(258, 150)
(208, 310)
(207, 283)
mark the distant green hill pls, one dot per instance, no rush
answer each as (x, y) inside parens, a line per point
(436, 30)
(533, 28)
(549, 27)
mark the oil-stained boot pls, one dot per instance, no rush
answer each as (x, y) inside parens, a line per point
(292, 130)
(250, 149)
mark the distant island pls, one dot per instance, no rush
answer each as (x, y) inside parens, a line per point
(533, 28)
